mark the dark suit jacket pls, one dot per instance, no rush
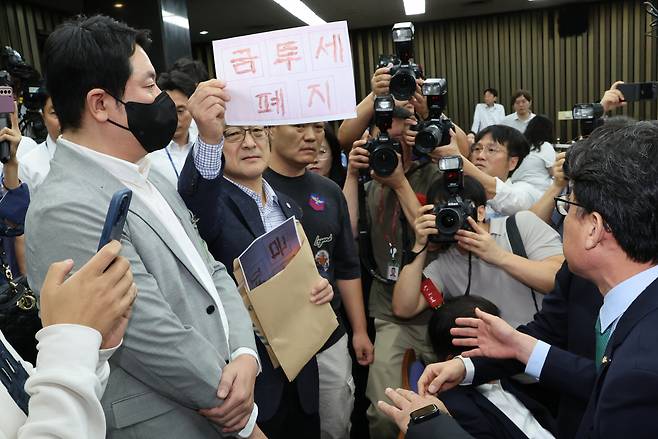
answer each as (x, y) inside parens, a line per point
(624, 399)
(228, 220)
(483, 420)
(442, 426)
(566, 321)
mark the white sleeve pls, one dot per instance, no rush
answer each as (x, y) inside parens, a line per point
(64, 387)
(513, 197)
(547, 154)
(476, 119)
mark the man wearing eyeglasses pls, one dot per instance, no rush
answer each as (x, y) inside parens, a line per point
(234, 207)
(498, 150)
(611, 239)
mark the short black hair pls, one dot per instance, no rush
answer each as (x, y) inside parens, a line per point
(195, 69)
(473, 190)
(613, 172)
(176, 80)
(511, 138)
(493, 91)
(517, 94)
(87, 53)
(540, 129)
(443, 320)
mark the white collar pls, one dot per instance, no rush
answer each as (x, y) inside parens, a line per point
(123, 170)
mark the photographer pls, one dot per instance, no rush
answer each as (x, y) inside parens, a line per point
(390, 206)
(35, 165)
(498, 150)
(481, 260)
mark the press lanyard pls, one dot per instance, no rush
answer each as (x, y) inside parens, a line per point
(172, 162)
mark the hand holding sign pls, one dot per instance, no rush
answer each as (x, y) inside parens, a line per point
(291, 76)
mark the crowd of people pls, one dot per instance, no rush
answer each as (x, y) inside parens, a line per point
(532, 320)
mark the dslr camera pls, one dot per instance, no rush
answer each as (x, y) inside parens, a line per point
(435, 131)
(452, 214)
(383, 150)
(404, 71)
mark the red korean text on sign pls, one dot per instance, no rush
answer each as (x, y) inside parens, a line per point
(244, 62)
(272, 102)
(315, 94)
(287, 53)
(333, 47)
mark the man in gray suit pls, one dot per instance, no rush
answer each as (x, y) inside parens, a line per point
(188, 362)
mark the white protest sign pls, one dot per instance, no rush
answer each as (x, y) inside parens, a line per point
(289, 76)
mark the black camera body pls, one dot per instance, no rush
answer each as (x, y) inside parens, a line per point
(435, 131)
(453, 213)
(589, 117)
(383, 150)
(404, 71)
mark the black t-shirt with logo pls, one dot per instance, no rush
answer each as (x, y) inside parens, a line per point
(326, 222)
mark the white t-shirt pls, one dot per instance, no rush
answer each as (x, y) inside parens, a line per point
(449, 271)
(535, 166)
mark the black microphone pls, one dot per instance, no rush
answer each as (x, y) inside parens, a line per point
(4, 145)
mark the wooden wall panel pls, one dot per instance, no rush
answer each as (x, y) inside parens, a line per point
(25, 27)
(521, 50)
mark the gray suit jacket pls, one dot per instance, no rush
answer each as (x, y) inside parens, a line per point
(174, 349)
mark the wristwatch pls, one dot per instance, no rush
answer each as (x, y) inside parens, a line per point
(424, 414)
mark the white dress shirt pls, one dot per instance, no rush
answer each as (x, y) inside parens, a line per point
(485, 116)
(65, 387)
(513, 120)
(169, 161)
(135, 177)
(34, 166)
(514, 410)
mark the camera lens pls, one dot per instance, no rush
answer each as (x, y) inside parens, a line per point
(383, 161)
(403, 84)
(448, 221)
(428, 138)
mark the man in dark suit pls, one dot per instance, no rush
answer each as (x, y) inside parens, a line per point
(234, 207)
(611, 238)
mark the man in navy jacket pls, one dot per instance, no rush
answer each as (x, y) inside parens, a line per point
(234, 207)
(611, 238)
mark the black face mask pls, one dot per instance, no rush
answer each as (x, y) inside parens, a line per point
(154, 124)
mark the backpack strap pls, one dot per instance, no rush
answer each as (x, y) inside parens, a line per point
(514, 237)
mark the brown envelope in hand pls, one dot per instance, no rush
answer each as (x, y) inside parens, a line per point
(295, 328)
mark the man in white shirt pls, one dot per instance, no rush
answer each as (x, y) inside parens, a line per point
(487, 113)
(188, 362)
(35, 165)
(522, 105)
(170, 160)
(498, 150)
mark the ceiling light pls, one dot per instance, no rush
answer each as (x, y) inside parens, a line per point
(176, 20)
(414, 7)
(301, 11)
(118, 5)
(204, 32)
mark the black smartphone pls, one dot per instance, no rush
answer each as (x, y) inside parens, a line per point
(116, 217)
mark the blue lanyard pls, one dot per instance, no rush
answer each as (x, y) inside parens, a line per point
(172, 163)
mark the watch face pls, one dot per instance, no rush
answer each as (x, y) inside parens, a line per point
(424, 413)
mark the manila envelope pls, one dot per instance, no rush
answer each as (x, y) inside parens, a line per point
(294, 328)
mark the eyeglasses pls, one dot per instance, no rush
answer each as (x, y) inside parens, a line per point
(238, 134)
(562, 205)
(489, 150)
(323, 154)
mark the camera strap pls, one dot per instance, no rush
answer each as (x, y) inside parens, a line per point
(470, 271)
(365, 243)
(518, 248)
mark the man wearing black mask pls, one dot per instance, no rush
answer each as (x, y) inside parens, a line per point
(188, 362)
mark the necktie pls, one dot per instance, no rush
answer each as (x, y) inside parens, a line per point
(13, 376)
(601, 342)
